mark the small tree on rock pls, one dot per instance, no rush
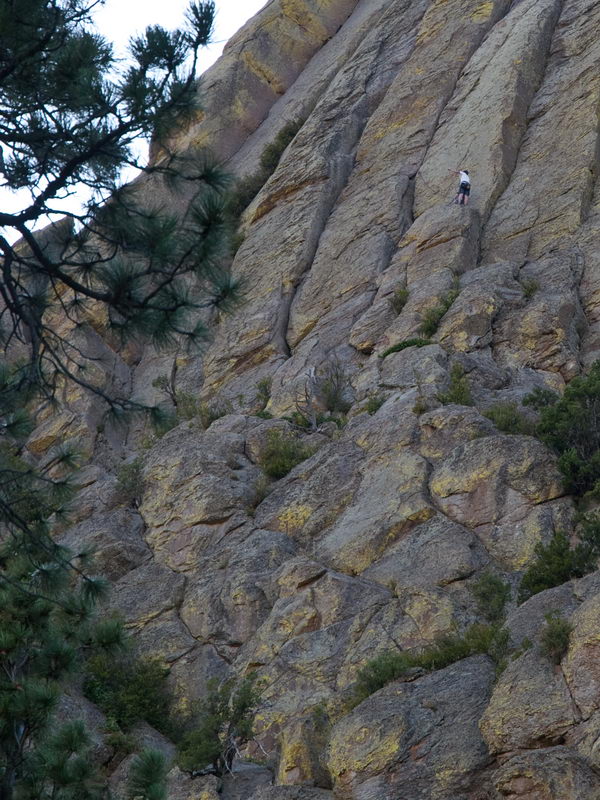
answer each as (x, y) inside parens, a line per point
(220, 728)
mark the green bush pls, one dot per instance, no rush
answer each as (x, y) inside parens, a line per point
(374, 403)
(298, 419)
(433, 316)
(187, 405)
(554, 564)
(247, 188)
(272, 153)
(459, 391)
(243, 194)
(396, 348)
(130, 483)
(222, 725)
(530, 287)
(399, 300)
(421, 406)
(263, 392)
(507, 418)
(389, 666)
(491, 594)
(554, 640)
(281, 453)
(128, 690)
(540, 398)
(559, 562)
(571, 427)
(381, 670)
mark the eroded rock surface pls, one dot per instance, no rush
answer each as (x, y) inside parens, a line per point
(354, 257)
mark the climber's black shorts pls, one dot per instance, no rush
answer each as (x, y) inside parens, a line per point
(465, 188)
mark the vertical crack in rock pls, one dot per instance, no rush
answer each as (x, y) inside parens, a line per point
(375, 208)
(258, 65)
(549, 192)
(289, 216)
(379, 536)
(483, 124)
(300, 99)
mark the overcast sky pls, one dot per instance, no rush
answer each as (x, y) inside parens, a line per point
(117, 20)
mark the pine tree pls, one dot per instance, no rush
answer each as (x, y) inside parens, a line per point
(48, 624)
(46, 621)
(69, 115)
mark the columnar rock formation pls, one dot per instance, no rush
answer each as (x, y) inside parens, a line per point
(372, 543)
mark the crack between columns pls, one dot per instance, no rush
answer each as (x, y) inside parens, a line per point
(528, 121)
(363, 112)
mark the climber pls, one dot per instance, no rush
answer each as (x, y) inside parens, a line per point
(462, 196)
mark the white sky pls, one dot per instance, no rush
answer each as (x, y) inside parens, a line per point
(117, 20)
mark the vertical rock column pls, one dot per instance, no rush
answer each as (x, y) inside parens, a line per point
(549, 194)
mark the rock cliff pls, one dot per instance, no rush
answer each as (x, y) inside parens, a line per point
(373, 541)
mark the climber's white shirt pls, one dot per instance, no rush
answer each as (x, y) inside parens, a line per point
(464, 178)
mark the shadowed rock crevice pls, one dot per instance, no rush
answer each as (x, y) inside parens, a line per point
(559, 196)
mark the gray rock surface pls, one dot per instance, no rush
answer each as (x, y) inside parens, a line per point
(374, 542)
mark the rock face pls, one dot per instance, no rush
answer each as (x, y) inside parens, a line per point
(371, 543)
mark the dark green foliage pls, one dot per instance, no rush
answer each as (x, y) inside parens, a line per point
(247, 188)
(421, 406)
(399, 300)
(540, 398)
(396, 348)
(128, 690)
(388, 666)
(559, 561)
(459, 391)
(391, 665)
(47, 618)
(555, 564)
(242, 195)
(187, 406)
(491, 594)
(190, 407)
(530, 287)
(71, 113)
(299, 419)
(433, 316)
(272, 153)
(554, 640)
(374, 403)
(147, 777)
(571, 427)
(281, 453)
(263, 392)
(61, 767)
(222, 724)
(507, 418)
(122, 743)
(130, 483)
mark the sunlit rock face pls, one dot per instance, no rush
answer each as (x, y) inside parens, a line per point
(371, 543)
